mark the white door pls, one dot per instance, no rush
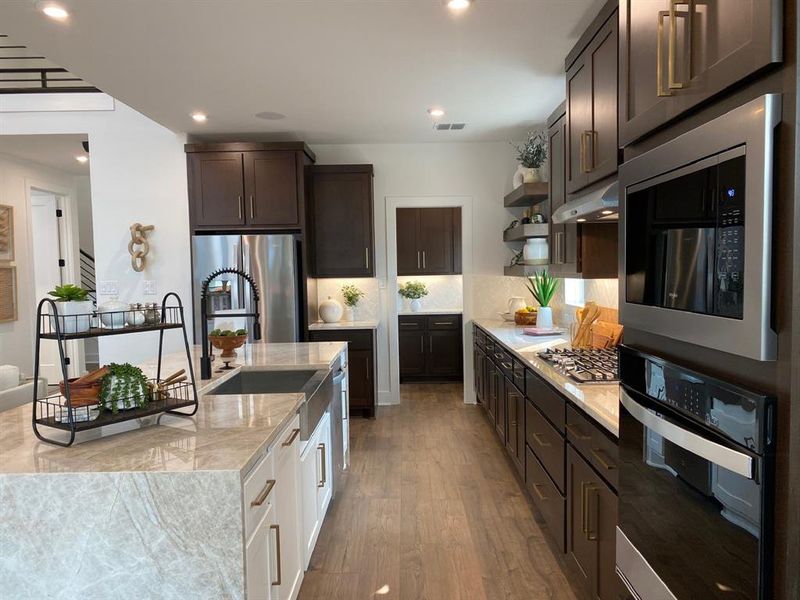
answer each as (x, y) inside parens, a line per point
(325, 484)
(309, 478)
(286, 583)
(258, 556)
(46, 270)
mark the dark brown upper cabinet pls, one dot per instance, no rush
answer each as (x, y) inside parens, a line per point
(340, 217)
(672, 61)
(428, 241)
(238, 185)
(591, 132)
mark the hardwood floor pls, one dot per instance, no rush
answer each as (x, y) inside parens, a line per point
(431, 510)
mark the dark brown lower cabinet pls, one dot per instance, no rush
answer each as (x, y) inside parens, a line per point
(515, 431)
(430, 348)
(361, 365)
(546, 498)
(490, 387)
(591, 527)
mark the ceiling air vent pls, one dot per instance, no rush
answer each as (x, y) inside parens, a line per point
(449, 126)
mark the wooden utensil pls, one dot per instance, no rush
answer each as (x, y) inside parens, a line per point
(168, 380)
(587, 316)
(91, 377)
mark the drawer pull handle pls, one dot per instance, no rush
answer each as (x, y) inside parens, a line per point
(660, 91)
(597, 453)
(584, 512)
(277, 529)
(324, 480)
(262, 497)
(538, 492)
(443, 322)
(538, 438)
(292, 438)
(506, 365)
(591, 534)
(576, 433)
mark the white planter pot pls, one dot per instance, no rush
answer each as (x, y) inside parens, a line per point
(74, 317)
(416, 305)
(330, 310)
(535, 251)
(111, 314)
(349, 313)
(544, 317)
(527, 175)
(120, 402)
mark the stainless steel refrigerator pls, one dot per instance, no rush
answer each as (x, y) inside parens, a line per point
(272, 262)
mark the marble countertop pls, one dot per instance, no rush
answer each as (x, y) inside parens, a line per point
(600, 401)
(228, 432)
(426, 311)
(366, 324)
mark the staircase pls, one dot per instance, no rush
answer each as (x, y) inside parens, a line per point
(23, 71)
(88, 279)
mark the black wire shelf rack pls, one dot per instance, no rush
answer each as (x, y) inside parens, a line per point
(59, 411)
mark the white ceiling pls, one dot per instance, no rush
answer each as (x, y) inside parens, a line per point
(342, 71)
(54, 151)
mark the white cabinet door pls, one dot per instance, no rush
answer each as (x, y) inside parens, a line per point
(309, 478)
(258, 560)
(324, 484)
(288, 535)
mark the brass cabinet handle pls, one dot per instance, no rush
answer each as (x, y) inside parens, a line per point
(418, 263)
(582, 156)
(586, 166)
(660, 56)
(591, 534)
(430, 344)
(538, 438)
(423, 260)
(292, 437)
(577, 433)
(262, 497)
(559, 258)
(240, 208)
(442, 322)
(277, 529)
(584, 516)
(324, 467)
(536, 487)
(252, 207)
(673, 41)
(366, 257)
(597, 453)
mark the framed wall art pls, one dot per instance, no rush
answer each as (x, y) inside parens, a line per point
(6, 233)
(8, 293)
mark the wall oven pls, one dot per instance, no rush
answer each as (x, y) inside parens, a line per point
(695, 231)
(696, 484)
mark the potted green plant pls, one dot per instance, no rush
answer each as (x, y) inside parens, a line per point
(352, 294)
(413, 291)
(124, 387)
(531, 155)
(543, 287)
(73, 307)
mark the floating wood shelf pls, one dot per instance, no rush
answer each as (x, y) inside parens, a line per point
(520, 233)
(524, 269)
(528, 194)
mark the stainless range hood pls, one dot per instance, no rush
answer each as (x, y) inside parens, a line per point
(598, 206)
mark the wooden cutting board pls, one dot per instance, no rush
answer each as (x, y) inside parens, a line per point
(605, 332)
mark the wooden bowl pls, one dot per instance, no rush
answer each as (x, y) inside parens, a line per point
(523, 317)
(227, 343)
(81, 394)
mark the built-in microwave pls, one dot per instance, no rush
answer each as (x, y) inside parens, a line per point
(695, 234)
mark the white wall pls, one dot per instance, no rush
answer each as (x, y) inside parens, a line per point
(482, 171)
(138, 174)
(16, 177)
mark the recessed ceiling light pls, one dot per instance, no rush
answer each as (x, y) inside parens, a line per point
(200, 117)
(82, 159)
(458, 4)
(53, 10)
(581, 220)
(436, 112)
(608, 212)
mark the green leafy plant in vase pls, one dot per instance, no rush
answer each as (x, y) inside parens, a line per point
(542, 287)
(352, 294)
(414, 291)
(124, 387)
(74, 309)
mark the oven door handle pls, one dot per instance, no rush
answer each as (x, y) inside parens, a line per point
(739, 463)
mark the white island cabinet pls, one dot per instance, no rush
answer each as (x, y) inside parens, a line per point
(316, 484)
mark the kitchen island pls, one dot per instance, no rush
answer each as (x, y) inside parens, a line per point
(160, 511)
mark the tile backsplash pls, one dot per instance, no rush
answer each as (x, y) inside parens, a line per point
(445, 292)
(369, 307)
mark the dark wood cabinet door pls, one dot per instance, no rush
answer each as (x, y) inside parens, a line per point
(579, 123)
(412, 352)
(512, 420)
(557, 187)
(362, 387)
(716, 45)
(271, 188)
(490, 385)
(444, 352)
(580, 547)
(216, 188)
(603, 512)
(340, 215)
(500, 412)
(602, 144)
(409, 257)
(435, 240)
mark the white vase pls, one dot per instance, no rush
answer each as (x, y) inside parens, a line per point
(535, 251)
(74, 316)
(526, 175)
(112, 314)
(349, 313)
(516, 303)
(416, 305)
(330, 310)
(544, 317)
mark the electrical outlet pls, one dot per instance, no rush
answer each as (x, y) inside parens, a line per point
(150, 287)
(108, 288)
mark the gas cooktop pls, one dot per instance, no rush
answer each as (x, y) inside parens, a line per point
(584, 365)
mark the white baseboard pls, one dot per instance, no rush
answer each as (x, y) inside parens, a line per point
(386, 398)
